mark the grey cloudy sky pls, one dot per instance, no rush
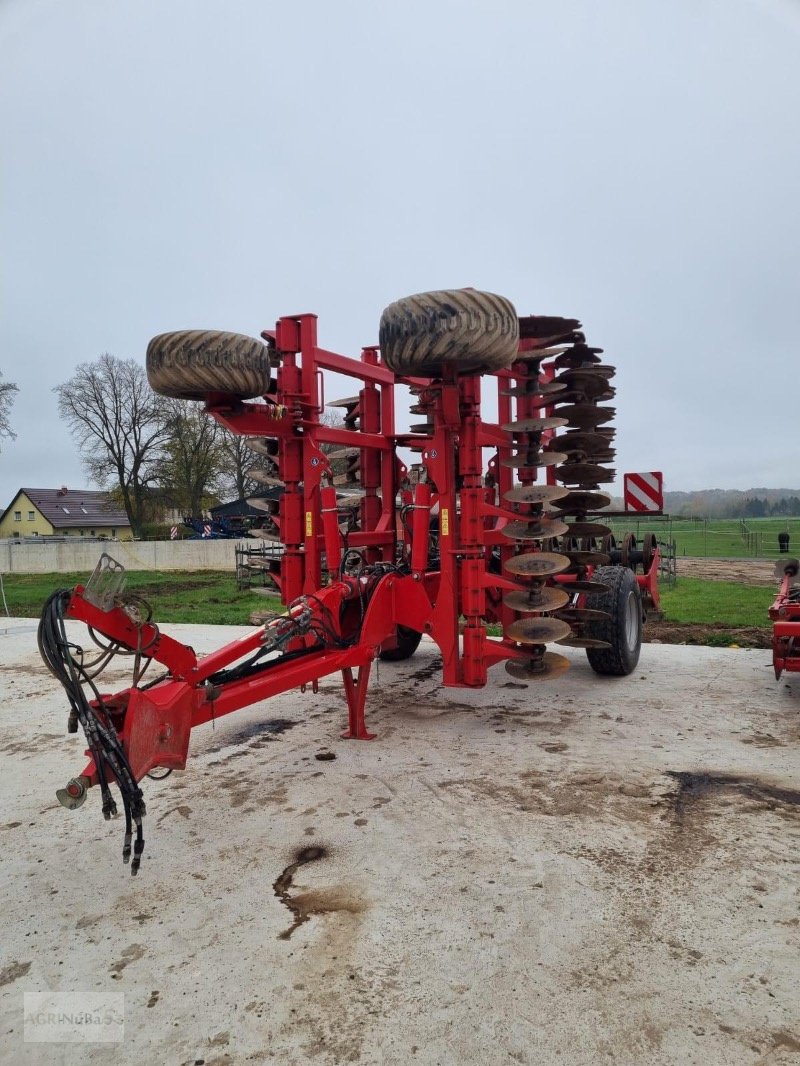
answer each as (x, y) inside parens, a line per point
(173, 164)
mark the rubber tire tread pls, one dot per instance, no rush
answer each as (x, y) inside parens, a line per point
(470, 330)
(191, 363)
(616, 661)
(407, 643)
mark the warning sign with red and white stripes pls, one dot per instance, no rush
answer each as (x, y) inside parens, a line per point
(644, 492)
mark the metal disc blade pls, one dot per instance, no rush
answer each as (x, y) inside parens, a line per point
(586, 415)
(540, 598)
(533, 387)
(589, 558)
(582, 615)
(588, 529)
(262, 505)
(583, 501)
(549, 351)
(589, 473)
(262, 446)
(533, 459)
(596, 587)
(539, 630)
(533, 425)
(583, 642)
(538, 355)
(535, 398)
(595, 372)
(588, 386)
(536, 530)
(265, 478)
(573, 359)
(578, 440)
(551, 664)
(537, 564)
(535, 493)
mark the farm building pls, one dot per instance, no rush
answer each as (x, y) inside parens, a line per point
(64, 512)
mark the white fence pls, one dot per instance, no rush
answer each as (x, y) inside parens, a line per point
(65, 557)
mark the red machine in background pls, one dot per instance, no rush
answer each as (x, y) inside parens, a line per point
(785, 616)
(466, 545)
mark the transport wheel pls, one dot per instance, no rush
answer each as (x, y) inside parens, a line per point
(193, 362)
(463, 328)
(622, 601)
(407, 643)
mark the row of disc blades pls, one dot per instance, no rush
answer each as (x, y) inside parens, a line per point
(561, 429)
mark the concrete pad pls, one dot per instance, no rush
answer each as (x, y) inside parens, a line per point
(524, 874)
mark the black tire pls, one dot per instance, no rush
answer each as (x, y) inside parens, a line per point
(194, 362)
(623, 630)
(407, 643)
(464, 328)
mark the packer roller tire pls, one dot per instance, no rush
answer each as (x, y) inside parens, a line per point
(622, 601)
(191, 363)
(462, 328)
(407, 643)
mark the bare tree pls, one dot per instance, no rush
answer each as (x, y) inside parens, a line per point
(120, 426)
(238, 461)
(7, 391)
(191, 468)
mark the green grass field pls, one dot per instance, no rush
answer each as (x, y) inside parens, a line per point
(212, 597)
(175, 596)
(708, 602)
(721, 538)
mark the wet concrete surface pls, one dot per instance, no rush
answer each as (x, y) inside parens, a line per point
(577, 871)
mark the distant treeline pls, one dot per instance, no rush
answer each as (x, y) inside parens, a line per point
(734, 503)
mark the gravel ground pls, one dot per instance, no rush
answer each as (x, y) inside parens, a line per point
(583, 871)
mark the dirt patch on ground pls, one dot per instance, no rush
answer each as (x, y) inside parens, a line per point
(746, 571)
(713, 634)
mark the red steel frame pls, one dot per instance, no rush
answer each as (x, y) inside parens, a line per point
(451, 603)
(785, 615)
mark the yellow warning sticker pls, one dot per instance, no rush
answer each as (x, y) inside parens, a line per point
(309, 524)
(445, 521)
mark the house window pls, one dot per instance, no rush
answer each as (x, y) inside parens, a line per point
(114, 534)
(65, 509)
(83, 509)
(93, 533)
(18, 516)
(31, 516)
(35, 533)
